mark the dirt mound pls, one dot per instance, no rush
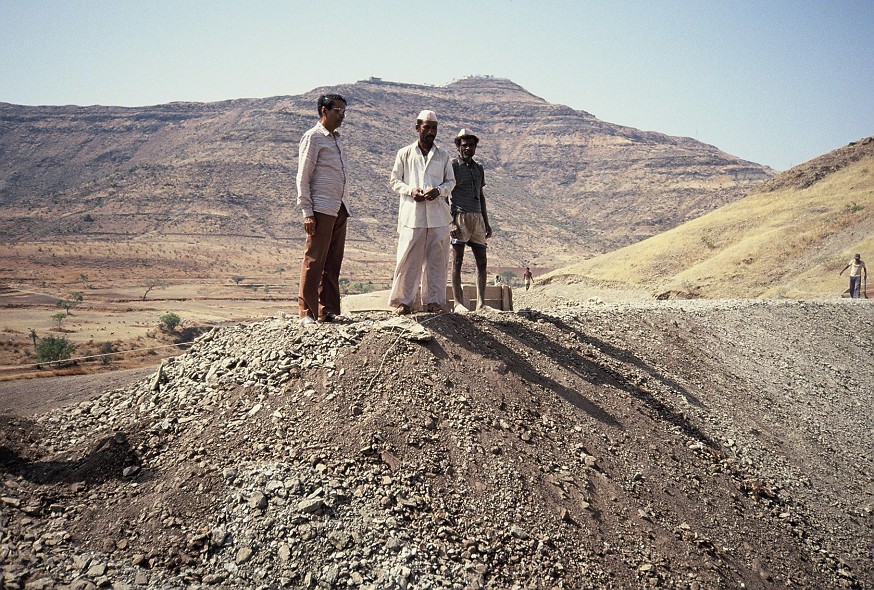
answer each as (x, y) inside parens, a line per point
(668, 444)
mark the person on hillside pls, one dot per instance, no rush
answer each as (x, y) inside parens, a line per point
(528, 278)
(423, 179)
(321, 192)
(470, 219)
(857, 267)
(497, 281)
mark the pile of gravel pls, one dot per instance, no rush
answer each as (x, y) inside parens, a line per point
(587, 446)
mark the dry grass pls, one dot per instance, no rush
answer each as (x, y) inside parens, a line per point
(789, 243)
(207, 282)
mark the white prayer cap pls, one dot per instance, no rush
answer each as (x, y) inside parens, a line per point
(465, 133)
(427, 115)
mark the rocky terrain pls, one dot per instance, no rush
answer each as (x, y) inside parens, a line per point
(677, 444)
(809, 173)
(562, 183)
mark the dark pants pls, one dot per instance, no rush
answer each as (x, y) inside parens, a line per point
(855, 283)
(320, 270)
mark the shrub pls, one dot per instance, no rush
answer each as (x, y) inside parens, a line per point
(59, 317)
(53, 348)
(361, 287)
(508, 277)
(106, 349)
(169, 321)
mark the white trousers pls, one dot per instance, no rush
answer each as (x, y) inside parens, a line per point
(421, 249)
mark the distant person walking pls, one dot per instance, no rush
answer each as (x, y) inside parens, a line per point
(470, 219)
(857, 267)
(528, 277)
(423, 179)
(321, 191)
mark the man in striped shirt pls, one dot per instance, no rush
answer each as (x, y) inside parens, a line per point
(470, 218)
(321, 188)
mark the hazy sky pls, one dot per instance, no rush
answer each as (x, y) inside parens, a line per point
(773, 81)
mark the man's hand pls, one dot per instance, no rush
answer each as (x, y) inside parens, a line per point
(432, 194)
(488, 230)
(309, 225)
(418, 195)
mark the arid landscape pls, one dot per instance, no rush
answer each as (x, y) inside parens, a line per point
(197, 202)
(682, 400)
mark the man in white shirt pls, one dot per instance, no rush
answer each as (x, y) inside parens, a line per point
(856, 267)
(423, 178)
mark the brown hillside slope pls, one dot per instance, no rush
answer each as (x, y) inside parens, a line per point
(790, 238)
(693, 444)
(561, 182)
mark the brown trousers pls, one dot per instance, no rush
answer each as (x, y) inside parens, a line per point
(320, 270)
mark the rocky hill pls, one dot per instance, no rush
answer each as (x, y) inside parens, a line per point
(697, 444)
(562, 183)
(788, 238)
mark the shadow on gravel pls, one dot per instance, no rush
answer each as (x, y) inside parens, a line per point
(107, 460)
(466, 334)
(464, 331)
(189, 334)
(664, 411)
(625, 356)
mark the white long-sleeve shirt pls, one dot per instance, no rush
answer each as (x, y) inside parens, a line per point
(413, 170)
(321, 172)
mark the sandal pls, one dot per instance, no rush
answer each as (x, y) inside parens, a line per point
(402, 309)
(335, 318)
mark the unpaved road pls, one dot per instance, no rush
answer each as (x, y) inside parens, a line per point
(28, 397)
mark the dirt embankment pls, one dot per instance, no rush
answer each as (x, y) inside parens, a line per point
(694, 444)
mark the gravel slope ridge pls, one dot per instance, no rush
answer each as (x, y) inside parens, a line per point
(677, 444)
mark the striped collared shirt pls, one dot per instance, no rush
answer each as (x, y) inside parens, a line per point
(321, 172)
(469, 182)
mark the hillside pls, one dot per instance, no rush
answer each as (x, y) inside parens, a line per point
(562, 183)
(663, 444)
(788, 238)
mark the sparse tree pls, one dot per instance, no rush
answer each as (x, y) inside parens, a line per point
(59, 317)
(153, 284)
(33, 336)
(67, 305)
(238, 279)
(84, 278)
(169, 321)
(77, 296)
(52, 348)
